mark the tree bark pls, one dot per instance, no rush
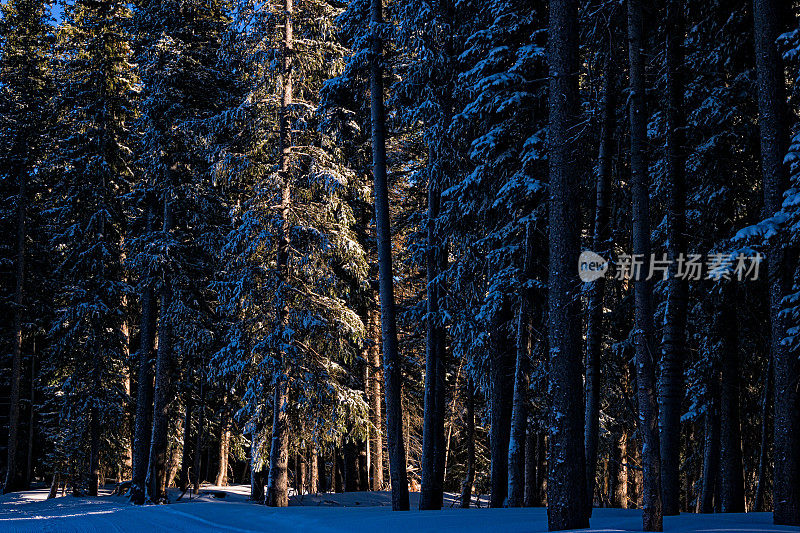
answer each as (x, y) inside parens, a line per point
(652, 518)
(13, 480)
(711, 448)
(501, 373)
(772, 122)
(375, 401)
(156, 469)
(519, 410)
(567, 476)
(277, 492)
(766, 395)
(183, 478)
(594, 311)
(224, 449)
(673, 341)
(731, 467)
(432, 491)
(144, 388)
(391, 356)
(313, 471)
(469, 436)
(530, 467)
(618, 471)
(198, 443)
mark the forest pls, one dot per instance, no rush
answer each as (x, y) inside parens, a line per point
(531, 253)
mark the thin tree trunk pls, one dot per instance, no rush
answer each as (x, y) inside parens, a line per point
(673, 340)
(277, 492)
(375, 401)
(391, 355)
(531, 466)
(432, 492)
(567, 476)
(13, 479)
(198, 445)
(731, 467)
(313, 477)
(224, 449)
(618, 471)
(595, 304)
(652, 518)
(711, 448)
(469, 478)
(519, 413)
(501, 372)
(183, 479)
(766, 395)
(144, 389)
(774, 141)
(31, 432)
(256, 481)
(156, 469)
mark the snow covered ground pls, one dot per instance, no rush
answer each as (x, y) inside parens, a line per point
(349, 512)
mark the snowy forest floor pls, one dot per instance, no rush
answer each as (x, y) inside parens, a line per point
(367, 512)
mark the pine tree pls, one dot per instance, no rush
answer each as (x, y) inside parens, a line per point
(24, 81)
(91, 170)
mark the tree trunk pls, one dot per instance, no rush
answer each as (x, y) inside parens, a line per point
(432, 491)
(13, 479)
(594, 311)
(652, 519)
(183, 479)
(224, 449)
(519, 412)
(469, 478)
(156, 468)
(375, 401)
(198, 444)
(766, 395)
(277, 492)
(711, 448)
(313, 471)
(501, 373)
(530, 467)
(673, 340)
(618, 471)
(391, 356)
(567, 477)
(774, 141)
(144, 388)
(731, 468)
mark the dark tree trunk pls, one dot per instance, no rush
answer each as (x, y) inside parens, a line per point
(469, 436)
(501, 374)
(183, 478)
(731, 469)
(567, 475)
(529, 499)
(393, 377)
(375, 401)
(673, 341)
(338, 470)
(774, 141)
(13, 480)
(711, 447)
(198, 446)
(144, 388)
(652, 519)
(432, 491)
(594, 311)
(277, 491)
(519, 409)
(766, 396)
(156, 468)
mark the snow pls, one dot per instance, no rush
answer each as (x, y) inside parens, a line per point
(320, 513)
